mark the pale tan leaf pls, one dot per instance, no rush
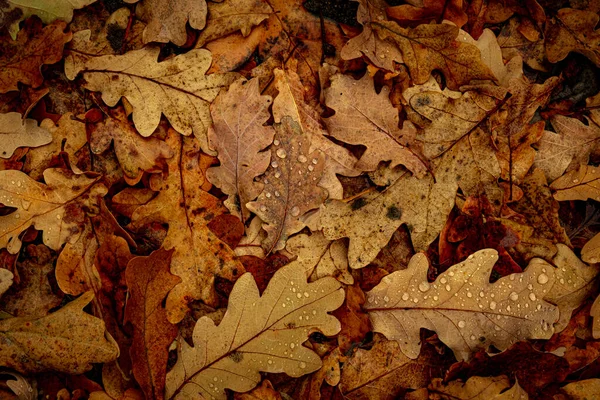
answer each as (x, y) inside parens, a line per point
(258, 333)
(16, 132)
(240, 138)
(229, 16)
(591, 250)
(166, 19)
(380, 52)
(566, 149)
(177, 87)
(466, 311)
(595, 314)
(68, 340)
(371, 220)
(574, 282)
(320, 257)
(182, 204)
(291, 101)
(364, 117)
(54, 207)
(6, 280)
(578, 184)
(290, 189)
(249, 245)
(478, 388)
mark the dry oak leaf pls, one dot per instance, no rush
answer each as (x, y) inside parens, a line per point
(590, 252)
(364, 117)
(290, 189)
(183, 204)
(477, 388)
(371, 220)
(6, 280)
(578, 184)
(514, 43)
(264, 391)
(466, 311)
(166, 19)
(574, 282)
(21, 60)
(291, 101)
(320, 257)
(177, 87)
(54, 208)
(136, 154)
(515, 154)
(149, 281)
(68, 340)
(572, 30)
(258, 333)
(16, 132)
(230, 16)
(68, 135)
(431, 10)
(18, 10)
(582, 390)
(240, 138)
(569, 147)
(434, 46)
(380, 52)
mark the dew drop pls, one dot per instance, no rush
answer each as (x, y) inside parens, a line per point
(542, 279)
(532, 296)
(451, 273)
(292, 345)
(424, 286)
(270, 361)
(469, 294)
(311, 168)
(472, 337)
(277, 194)
(299, 295)
(415, 300)
(283, 305)
(315, 161)
(562, 281)
(386, 299)
(277, 174)
(17, 216)
(514, 296)
(26, 204)
(492, 305)
(405, 296)
(302, 365)
(448, 288)
(58, 216)
(314, 312)
(443, 280)
(508, 308)
(274, 164)
(295, 211)
(302, 158)
(268, 195)
(276, 142)
(306, 294)
(281, 153)
(263, 208)
(481, 294)
(462, 324)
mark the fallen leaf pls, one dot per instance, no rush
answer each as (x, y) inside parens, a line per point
(6, 280)
(364, 117)
(16, 132)
(228, 228)
(431, 10)
(380, 52)
(54, 207)
(269, 336)
(240, 138)
(290, 189)
(581, 390)
(67, 340)
(434, 46)
(166, 19)
(595, 314)
(149, 281)
(515, 154)
(291, 102)
(577, 184)
(176, 87)
(21, 60)
(263, 392)
(182, 204)
(481, 314)
(478, 388)
(514, 43)
(136, 154)
(591, 250)
(572, 30)
(230, 16)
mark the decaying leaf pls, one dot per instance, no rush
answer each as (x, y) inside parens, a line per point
(462, 307)
(257, 333)
(433, 46)
(67, 340)
(380, 52)
(54, 207)
(149, 281)
(240, 138)
(21, 60)
(6, 280)
(166, 19)
(582, 390)
(177, 88)
(432, 10)
(290, 185)
(572, 30)
(16, 132)
(364, 117)
(578, 184)
(478, 388)
(182, 204)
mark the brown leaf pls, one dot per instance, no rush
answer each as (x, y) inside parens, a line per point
(263, 333)
(514, 43)
(432, 10)
(21, 60)
(16, 132)
(515, 154)
(263, 392)
(572, 30)
(433, 46)
(290, 189)
(228, 228)
(6, 280)
(478, 388)
(581, 390)
(149, 281)
(239, 137)
(67, 340)
(166, 19)
(380, 52)
(578, 184)
(135, 153)
(355, 321)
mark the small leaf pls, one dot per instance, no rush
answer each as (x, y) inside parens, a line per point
(16, 132)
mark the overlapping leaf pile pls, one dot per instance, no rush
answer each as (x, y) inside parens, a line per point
(276, 199)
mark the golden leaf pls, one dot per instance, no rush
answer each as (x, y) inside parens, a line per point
(478, 388)
(572, 30)
(578, 184)
(258, 333)
(16, 132)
